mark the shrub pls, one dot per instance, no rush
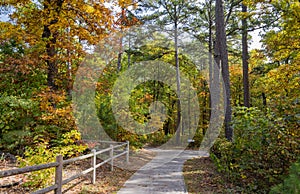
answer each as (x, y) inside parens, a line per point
(261, 152)
(291, 184)
(17, 116)
(42, 153)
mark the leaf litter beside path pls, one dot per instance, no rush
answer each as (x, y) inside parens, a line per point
(201, 176)
(106, 181)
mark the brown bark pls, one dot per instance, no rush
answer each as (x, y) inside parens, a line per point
(222, 60)
(178, 85)
(245, 59)
(50, 61)
(51, 38)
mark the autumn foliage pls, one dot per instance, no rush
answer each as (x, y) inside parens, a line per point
(44, 42)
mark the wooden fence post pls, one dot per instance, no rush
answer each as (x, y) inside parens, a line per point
(111, 155)
(58, 174)
(127, 150)
(94, 160)
(58, 165)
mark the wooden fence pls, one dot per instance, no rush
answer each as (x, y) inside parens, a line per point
(59, 163)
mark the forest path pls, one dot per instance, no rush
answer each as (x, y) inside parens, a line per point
(163, 174)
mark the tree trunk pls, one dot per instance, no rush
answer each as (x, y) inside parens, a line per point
(51, 41)
(204, 106)
(119, 67)
(119, 64)
(222, 59)
(69, 69)
(245, 59)
(178, 85)
(264, 99)
(50, 61)
(210, 53)
(129, 49)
